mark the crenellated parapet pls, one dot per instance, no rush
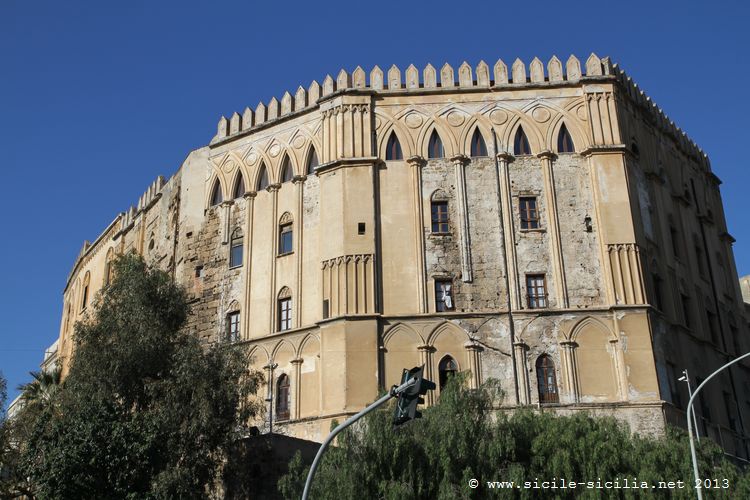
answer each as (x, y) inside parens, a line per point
(465, 77)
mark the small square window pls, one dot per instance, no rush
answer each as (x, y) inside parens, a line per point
(361, 228)
(198, 271)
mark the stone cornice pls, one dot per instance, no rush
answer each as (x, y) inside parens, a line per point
(346, 162)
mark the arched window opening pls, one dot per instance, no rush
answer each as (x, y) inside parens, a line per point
(546, 380)
(287, 172)
(235, 248)
(239, 187)
(393, 148)
(282, 397)
(478, 146)
(446, 369)
(435, 146)
(564, 141)
(521, 143)
(216, 196)
(233, 326)
(108, 268)
(85, 294)
(263, 178)
(312, 161)
(284, 310)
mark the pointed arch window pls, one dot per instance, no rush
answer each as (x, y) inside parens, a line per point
(546, 380)
(235, 248)
(108, 268)
(446, 369)
(85, 295)
(282, 397)
(239, 187)
(393, 148)
(564, 141)
(435, 146)
(287, 172)
(478, 146)
(216, 195)
(312, 161)
(262, 177)
(521, 143)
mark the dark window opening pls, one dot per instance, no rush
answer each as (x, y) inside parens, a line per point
(282, 397)
(312, 161)
(326, 309)
(685, 309)
(216, 196)
(447, 369)
(233, 326)
(285, 239)
(440, 217)
(521, 143)
(536, 290)
(393, 148)
(361, 228)
(478, 146)
(564, 141)
(263, 178)
(546, 380)
(435, 146)
(529, 213)
(287, 172)
(235, 249)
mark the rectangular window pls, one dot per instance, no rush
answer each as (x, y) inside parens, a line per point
(712, 327)
(233, 326)
(326, 309)
(361, 228)
(444, 295)
(285, 314)
(536, 291)
(685, 309)
(198, 271)
(285, 239)
(85, 299)
(701, 260)
(236, 244)
(440, 217)
(529, 212)
(729, 407)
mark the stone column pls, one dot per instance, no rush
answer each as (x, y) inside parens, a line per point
(558, 267)
(299, 183)
(459, 164)
(247, 255)
(475, 363)
(225, 220)
(417, 162)
(569, 370)
(522, 371)
(504, 160)
(274, 190)
(425, 357)
(297, 367)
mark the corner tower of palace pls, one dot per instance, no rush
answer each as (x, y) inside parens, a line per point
(548, 227)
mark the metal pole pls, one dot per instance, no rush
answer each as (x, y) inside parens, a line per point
(698, 491)
(395, 391)
(690, 394)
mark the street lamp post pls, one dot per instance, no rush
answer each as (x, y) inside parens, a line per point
(686, 378)
(698, 490)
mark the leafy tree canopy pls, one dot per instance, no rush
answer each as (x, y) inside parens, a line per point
(463, 437)
(146, 410)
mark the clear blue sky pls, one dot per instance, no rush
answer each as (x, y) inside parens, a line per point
(98, 98)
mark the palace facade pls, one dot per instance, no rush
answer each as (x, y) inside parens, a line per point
(547, 226)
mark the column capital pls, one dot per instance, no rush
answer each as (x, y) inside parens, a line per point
(297, 361)
(416, 161)
(547, 155)
(520, 344)
(425, 348)
(569, 344)
(473, 346)
(460, 160)
(505, 156)
(299, 178)
(227, 203)
(272, 188)
(250, 194)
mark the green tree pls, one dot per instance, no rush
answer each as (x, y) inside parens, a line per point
(147, 410)
(464, 437)
(42, 389)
